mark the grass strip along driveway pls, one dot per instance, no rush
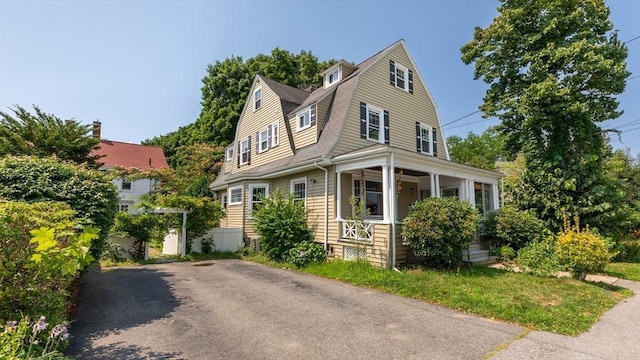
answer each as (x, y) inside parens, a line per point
(629, 271)
(564, 306)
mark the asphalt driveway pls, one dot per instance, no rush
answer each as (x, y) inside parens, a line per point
(230, 309)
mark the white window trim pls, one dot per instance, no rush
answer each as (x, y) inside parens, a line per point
(306, 111)
(255, 103)
(380, 111)
(250, 195)
(124, 180)
(275, 134)
(368, 218)
(242, 152)
(406, 77)
(263, 139)
(429, 129)
(336, 79)
(229, 153)
(231, 202)
(300, 180)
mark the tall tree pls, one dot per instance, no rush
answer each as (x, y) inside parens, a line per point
(225, 89)
(554, 68)
(41, 134)
(478, 150)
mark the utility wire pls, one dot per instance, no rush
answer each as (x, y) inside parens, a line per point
(635, 38)
(458, 119)
(463, 125)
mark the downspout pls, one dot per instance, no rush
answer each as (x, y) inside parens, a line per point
(326, 206)
(393, 213)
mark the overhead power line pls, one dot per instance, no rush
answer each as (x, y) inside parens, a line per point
(463, 125)
(458, 119)
(635, 38)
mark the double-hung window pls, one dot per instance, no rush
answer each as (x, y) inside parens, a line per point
(306, 118)
(229, 153)
(334, 76)
(257, 99)
(245, 150)
(299, 189)
(223, 200)
(426, 139)
(235, 195)
(257, 191)
(125, 184)
(401, 77)
(374, 123)
(263, 140)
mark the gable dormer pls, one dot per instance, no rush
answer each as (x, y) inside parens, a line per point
(337, 72)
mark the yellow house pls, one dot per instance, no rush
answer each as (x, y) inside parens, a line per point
(373, 129)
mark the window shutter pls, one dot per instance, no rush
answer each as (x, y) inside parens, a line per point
(313, 114)
(386, 127)
(239, 153)
(249, 149)
(269, 136)
(411, 81)
(435, 143)
(418, 138)
(363, 120)
(257, 142)
(392, 72)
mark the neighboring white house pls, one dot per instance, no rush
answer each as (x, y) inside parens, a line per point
(129, 156)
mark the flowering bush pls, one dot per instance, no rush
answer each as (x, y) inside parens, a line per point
(24, 340)
(581, 251)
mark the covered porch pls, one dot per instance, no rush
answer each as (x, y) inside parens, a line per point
(389, 183)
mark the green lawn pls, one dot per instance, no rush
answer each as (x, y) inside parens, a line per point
(564, 306)
(629, 271)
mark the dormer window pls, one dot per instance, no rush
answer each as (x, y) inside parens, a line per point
(257, 99)
(334, 76)
(306, 118)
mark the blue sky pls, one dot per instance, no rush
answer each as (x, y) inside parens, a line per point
(137, 65)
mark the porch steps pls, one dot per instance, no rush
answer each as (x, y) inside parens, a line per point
(476, 254)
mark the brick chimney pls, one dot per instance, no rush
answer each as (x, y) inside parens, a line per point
(97, 127)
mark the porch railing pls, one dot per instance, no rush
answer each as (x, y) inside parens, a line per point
(357, 230)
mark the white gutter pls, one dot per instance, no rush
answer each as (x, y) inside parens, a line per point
(326, 205)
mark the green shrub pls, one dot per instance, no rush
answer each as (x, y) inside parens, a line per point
(305, 253)
(539, 257)
(142, 227)
(511, 226)
(506, 253)
(38, 267)
(582, 251)
(281, 223)
(627, 250)
(90, 193)
(439, 229)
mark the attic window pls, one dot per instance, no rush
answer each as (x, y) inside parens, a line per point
(400, 76)
(334, 77)
(257, 99)
(126, 185)
(229, 156)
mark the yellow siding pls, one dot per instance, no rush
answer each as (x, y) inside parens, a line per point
(235, 213)
(255, 121)
(323, 107)
(404, 108)
(406, 198)
(304, 137)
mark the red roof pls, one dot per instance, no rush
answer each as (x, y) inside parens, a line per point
(128, 155)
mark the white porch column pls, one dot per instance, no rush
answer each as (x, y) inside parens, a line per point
(386, 193)
(463, 190)
(339, 196)
(432, 184)
(437, 178)
(472, 192)
(494, 196)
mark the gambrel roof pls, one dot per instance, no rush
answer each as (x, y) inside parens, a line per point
(294, 100)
